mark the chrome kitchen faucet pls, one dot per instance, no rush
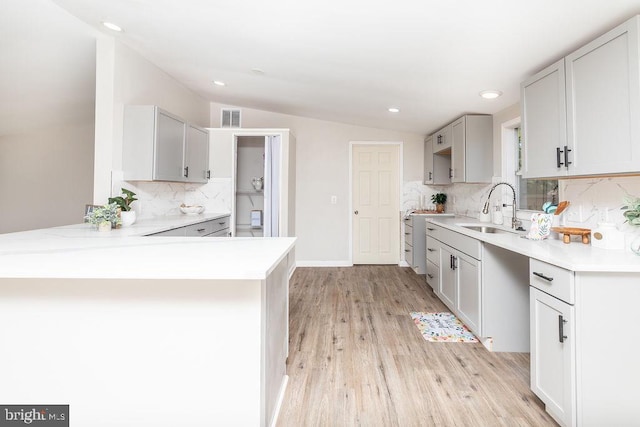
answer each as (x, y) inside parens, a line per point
(515, 222)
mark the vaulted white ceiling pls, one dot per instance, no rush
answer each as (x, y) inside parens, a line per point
(350, 60)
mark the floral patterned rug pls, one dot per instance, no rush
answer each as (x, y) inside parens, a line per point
(442, 327)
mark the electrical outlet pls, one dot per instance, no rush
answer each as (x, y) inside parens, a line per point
(575, 214)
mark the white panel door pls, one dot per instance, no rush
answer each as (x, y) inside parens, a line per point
(376, 209)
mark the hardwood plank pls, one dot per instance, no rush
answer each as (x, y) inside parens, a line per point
(357, 359)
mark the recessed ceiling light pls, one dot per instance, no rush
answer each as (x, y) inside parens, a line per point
(112, 26)
(394, 110)
(490, 94)
(219, 83)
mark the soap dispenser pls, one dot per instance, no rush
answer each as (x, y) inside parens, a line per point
(498, 219)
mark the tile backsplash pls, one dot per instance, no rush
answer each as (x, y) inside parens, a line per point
(592, 200)
(462, 199)
(596, 200)
(164, 198)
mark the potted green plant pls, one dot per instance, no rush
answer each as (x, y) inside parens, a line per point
(105, 217)
(632, 217)
(439, 199)
(124, 201)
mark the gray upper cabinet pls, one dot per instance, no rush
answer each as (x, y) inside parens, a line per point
(472, 149)
(544, 124)
(603, 97)
(428, 160)
(158, 146)
(169, 147)
(197, 154)
(465, 153)
(580, 114)
(442, 139)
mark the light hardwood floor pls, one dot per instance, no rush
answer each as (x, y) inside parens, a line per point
(357, 359)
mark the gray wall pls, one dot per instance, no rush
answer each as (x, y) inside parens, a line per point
(47, 82)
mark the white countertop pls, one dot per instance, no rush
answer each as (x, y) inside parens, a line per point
(574, 256)
(80, 251)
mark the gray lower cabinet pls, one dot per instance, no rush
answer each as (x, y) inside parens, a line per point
(414, 243)
(212, 228)
(484, 286)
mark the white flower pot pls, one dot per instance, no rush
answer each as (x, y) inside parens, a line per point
(104, 226)
(128, 217)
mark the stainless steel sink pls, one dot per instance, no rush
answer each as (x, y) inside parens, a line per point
(488, 229)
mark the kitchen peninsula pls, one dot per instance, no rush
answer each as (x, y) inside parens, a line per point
(145, 331)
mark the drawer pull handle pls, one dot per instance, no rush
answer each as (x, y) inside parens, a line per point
(200, 230)
(542, 276)
(221, 223)
(558, 162)
(430, 229)
(407, 250)
(566, 157)
(431, 250)
(561, 322)
(430, 276)
(407, 234)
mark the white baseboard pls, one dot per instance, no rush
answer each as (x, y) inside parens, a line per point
(276, 412)
(403, 263)
(324, 264)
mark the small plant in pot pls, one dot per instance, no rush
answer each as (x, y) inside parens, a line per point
(124, 203)
(632, 217)
(105, 217)
(439, 199)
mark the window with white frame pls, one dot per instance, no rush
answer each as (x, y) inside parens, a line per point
(531, 193)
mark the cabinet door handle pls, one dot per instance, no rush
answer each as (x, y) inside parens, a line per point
(558, 152)
(542, 276)
(200, 230)
(407, 250)
(430, 276)
(186, 171)
(208, 174)
(431, 250)
(430, 229)
(355, 212)
(430, 176)
(561, 322)
(566, 157)
(450, 173)
(455, 262)
(221, 223)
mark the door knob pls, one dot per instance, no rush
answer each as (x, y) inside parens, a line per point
(355, 212)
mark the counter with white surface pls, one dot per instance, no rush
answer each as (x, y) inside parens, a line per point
(574, 256)
(146, 331)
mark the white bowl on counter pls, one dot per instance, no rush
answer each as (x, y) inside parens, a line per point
(191, 210)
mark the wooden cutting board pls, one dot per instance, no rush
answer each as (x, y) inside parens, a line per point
(567, 232)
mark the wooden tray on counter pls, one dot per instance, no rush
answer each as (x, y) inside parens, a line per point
(567, 232)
